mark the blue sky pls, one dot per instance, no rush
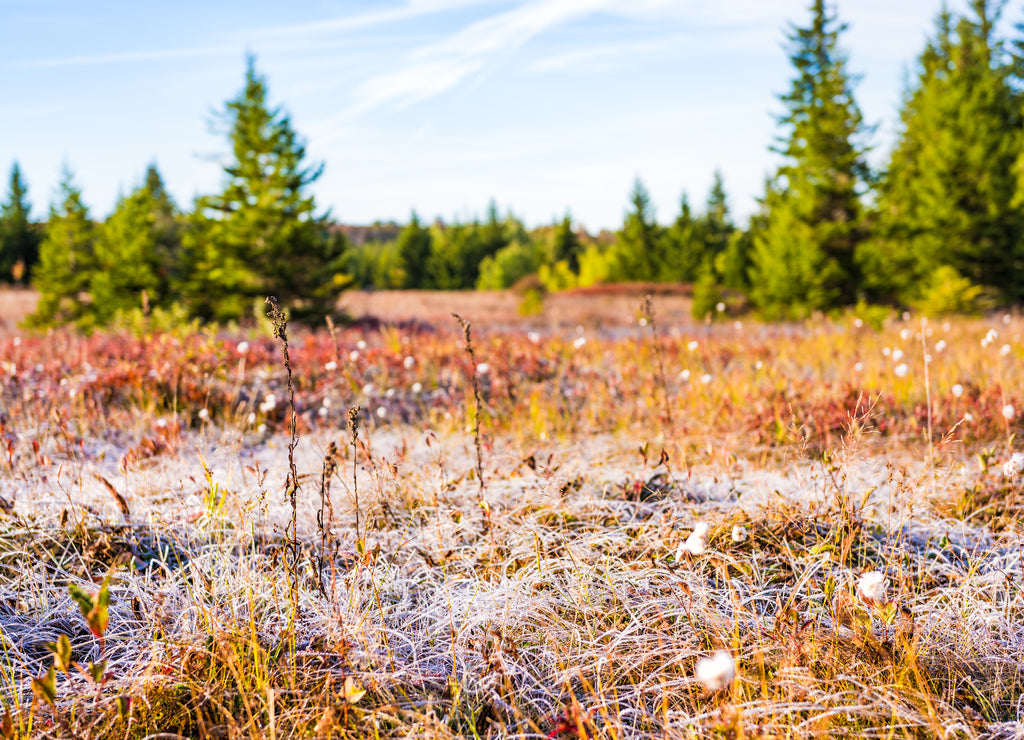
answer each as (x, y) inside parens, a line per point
(434, 105)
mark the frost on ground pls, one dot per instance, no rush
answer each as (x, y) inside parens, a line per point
(565, 607)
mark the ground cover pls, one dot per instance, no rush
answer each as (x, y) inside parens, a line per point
(544, 539)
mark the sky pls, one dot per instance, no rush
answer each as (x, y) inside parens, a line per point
(547, 107)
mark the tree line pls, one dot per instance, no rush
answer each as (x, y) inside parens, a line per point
(939, 228)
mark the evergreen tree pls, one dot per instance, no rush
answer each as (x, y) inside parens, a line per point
(716, 225)
(128, 270)
(947, 200)
(639, 253)
(167, 226)
(566, 245)
(804, 257)
(66, 261)
(262, 235)
(686, 239)
(414, 243)
(19, 241)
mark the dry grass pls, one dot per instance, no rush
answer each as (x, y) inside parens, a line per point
(563, 604)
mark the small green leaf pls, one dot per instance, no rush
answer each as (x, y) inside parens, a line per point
(98, 672)
(94, 606)
(61, 654)
(123, 705)
(45, 687)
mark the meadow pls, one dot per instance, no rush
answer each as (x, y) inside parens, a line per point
(629, 527)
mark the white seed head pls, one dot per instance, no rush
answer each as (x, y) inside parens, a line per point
(697, 542)
(331, 366)
(716, 672)
(957, 390)
(1008, 412)
(872, 587)
(739, 533)
(901, 370)
(243, 347)
(1013, 467)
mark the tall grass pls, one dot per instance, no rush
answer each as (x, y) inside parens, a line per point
(570, 606)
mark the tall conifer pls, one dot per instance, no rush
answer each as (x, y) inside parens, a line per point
(66, 260)
(804, 257)
(262, 235)
(19, 241)
(947, 200)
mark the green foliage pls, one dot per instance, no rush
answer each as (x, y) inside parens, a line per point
(262, 235)
(640, 252)
(566, 245)
(733, 265)
(804, 257)
(948, 292)
(597, 265)
(508, 266)
(66, 260)
(686, 247)
(128, 268)
(950, 196)
(707, 294)
(19, 241)
(792, 275)
(376, 265)
(414, 245)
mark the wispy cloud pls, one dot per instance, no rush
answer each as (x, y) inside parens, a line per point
(407, 11)
(599, 55)
(467, 54)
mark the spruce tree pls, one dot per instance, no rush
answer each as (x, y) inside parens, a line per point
(716, 225)
(947, 200)
(686, 244)
(639, 250)
(19, 241)
(413, 248)
(262, 235)
(804, 257)
(566, 245)
(66, 261)
(129, 270)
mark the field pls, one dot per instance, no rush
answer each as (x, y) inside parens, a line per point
(544, 533)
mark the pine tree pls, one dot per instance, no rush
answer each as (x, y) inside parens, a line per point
(687, 249)
(947, 200)
(19, 241)
(414, 243)
(804, 257)
(566, 245)
(262, 235)
(129, 270)
(715, 224)
(639, 251)
(66, 261)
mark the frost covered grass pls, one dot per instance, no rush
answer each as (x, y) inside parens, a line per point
(782, 550)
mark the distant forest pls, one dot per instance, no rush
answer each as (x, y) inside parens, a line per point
(940, 229)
